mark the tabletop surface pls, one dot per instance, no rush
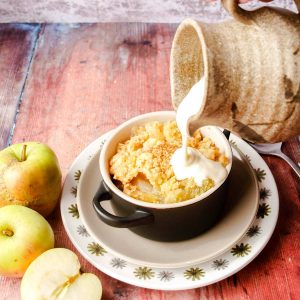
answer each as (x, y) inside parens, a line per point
(65, 85)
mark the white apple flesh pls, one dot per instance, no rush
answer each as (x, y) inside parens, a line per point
(24, 235)
(55, 275)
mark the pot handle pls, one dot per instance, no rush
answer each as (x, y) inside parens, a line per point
(226, 133)
(242, 15)
(139, 217)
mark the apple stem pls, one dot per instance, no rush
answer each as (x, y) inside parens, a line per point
(23, 155)
(7, 232)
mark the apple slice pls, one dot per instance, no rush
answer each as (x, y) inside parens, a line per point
(55, 275)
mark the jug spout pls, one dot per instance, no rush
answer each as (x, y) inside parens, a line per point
(252, 73)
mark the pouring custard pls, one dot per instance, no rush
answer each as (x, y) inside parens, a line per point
(189, 162)
(162, 163)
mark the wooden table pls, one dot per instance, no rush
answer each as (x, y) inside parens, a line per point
(65, 85)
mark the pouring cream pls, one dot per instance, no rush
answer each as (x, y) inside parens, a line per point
(188, 162)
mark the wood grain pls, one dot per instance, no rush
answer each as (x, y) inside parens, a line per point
(16, 47)
(85, 80)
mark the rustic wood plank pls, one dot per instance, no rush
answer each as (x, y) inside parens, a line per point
(87, 79)
(16, 47)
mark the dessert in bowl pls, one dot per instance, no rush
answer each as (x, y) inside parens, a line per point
(157, 215)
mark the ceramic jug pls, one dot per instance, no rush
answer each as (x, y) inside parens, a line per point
(251, 66)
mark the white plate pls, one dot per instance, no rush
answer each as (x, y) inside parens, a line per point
(184, 275)
(238, 214)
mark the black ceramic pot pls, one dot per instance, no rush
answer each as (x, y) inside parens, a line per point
(164, 222)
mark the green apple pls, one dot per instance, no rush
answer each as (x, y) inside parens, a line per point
(24, 235)
(30, 175)
(56, 275)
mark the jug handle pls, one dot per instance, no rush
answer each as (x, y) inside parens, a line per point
(242, 15)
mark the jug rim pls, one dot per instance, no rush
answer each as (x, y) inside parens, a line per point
(175, 67)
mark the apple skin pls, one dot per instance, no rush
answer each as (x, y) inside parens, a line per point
(31, 235)
(34, 182)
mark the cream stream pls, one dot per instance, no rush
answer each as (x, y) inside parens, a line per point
(188, 162)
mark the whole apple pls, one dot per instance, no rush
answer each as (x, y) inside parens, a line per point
(30, 175)
(24, 235)
(56, 274)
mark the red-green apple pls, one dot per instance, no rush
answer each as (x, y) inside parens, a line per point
(24, 235)
(30, 175)
(56, 274)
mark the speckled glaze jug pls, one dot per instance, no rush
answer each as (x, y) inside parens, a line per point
(252, 70)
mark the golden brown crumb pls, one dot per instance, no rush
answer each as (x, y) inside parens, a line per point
(142, 163)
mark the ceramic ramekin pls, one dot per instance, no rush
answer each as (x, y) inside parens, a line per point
(168, 222)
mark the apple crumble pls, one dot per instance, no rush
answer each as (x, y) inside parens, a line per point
(141, 166)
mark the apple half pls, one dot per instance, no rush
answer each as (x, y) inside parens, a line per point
(56, 275)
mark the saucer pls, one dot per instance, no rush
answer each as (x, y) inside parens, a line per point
(239, 212)
(172, 266)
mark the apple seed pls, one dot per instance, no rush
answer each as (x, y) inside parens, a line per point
(7, 232)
